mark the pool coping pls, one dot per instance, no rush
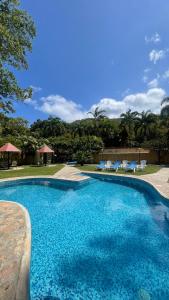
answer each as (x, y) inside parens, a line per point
(22, 291)
(23, 287)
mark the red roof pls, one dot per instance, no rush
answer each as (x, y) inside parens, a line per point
(45, 149)
(9, 148)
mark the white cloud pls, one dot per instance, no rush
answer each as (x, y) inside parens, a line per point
(166, 74)
(59, 106)
(31, 102)
(112, 107)
(140, 101)
(145, 78)
(153, 83)
(36, 89)
(126, 92)
(69, 110)
(147, 70)
(156, 55)
(155, 38)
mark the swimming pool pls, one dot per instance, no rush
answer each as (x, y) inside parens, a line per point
(107, 238)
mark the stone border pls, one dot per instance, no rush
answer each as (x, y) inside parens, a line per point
(23, 284)
(23, 287)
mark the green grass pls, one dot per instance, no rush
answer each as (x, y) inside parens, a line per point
(31, 171)
(150, 169)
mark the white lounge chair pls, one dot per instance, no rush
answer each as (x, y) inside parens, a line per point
(143, 164)
(124, 164)
(108, 165)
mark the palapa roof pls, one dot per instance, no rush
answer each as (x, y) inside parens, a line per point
(8, 147)
(45, 149)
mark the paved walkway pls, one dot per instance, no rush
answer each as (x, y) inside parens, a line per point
(14, 252)
(160, 180)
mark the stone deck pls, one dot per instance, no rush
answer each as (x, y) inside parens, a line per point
(14, 252)
(159, 180)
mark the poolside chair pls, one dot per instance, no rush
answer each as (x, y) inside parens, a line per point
(101, 165)
(14, 164)
(116, 165)
(72, 163)
(108, 165)
(143, 164)
(132, 166)
(124, 164)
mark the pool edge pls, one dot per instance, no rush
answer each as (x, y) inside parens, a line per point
(130, 177)
(85, 180)
(23, 286)
(22, 290)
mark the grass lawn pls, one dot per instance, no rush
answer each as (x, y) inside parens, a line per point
(31, 171)
(150, 169)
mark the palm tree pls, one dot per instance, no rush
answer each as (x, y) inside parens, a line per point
(97, 113)
(165, 108)
(145, 124)
(128, 124)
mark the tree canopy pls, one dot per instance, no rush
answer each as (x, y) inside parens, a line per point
(87, 136)
(17, 31)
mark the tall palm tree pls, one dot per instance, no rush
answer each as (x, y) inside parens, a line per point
(146, 124)
(165, 108)
(98, 113)
(128, 123)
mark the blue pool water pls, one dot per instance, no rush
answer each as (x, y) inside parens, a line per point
(106, 239)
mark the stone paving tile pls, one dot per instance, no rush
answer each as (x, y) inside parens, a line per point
(12, 241)
(160, 180)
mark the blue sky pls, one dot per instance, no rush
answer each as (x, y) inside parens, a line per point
(114, 54)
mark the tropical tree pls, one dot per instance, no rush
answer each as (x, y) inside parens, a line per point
(108, 130)
(16, 33)
(83, 157)
(15, 127)
(145, 125)
(50, 127)
(128, 122)
(97, 113)
(165, 108)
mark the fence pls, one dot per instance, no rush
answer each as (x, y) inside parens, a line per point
(152, 156)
